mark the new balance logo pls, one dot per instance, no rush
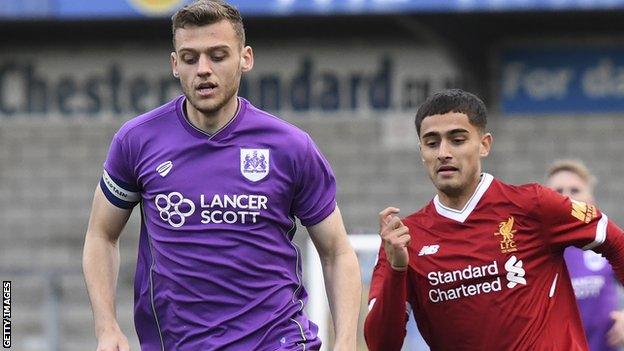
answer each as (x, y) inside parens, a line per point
(515, 272)
(429, 250)
(164, 168)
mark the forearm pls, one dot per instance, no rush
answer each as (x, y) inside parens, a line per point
(101, 269)
(384, 328)
(344, 290)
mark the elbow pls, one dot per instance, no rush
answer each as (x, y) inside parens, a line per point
(344, 255)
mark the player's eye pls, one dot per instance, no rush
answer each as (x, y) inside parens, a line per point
(571, 191)
(218, 56)
(188, 59)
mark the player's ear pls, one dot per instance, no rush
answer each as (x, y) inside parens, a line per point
(420, 151)
(247, 59)
(174, 64)
(486, 144)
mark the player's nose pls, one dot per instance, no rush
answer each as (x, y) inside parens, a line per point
(444, 151)
(203, 66)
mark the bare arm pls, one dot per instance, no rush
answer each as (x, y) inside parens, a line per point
(101, 267)
(341, 273)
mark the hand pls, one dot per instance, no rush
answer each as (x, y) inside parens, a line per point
(112, 340)
(396, 238)
(615, 336)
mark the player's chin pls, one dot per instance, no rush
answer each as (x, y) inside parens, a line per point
(448, 186)
(209, 106)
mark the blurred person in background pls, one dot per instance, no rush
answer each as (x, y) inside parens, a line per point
(219, 183)
(481, 266)
(593, 280)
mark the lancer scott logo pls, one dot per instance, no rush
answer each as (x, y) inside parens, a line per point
(174, 208)
(474, 280)
(230, 209)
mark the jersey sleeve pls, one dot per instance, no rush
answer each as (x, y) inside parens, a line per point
(583, 225)
(315, 194)
(385, 324)
(118, 182)
(570, 223)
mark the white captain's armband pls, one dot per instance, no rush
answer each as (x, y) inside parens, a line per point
(119, 193)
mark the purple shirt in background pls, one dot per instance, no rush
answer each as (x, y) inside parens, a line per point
(217, 268)
(596, 293)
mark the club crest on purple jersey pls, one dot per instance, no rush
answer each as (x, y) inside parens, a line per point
(254, 163)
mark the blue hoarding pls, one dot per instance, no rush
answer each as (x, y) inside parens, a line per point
(562, 80)
(84, 9)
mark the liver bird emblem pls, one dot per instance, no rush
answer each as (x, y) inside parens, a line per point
(506, 230)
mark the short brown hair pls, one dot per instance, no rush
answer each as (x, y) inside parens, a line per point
(573, 166)
(453, 100)
(205, 12)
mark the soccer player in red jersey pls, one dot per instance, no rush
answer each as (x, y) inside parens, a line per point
(481, 266)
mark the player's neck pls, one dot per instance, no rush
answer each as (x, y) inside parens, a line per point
(458, 200)
(211, 123)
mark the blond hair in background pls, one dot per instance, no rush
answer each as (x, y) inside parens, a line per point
(574, 166)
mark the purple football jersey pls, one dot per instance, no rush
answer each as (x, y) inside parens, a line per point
(596, 293)
(217, 268)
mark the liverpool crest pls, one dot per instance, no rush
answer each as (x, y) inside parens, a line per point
(254, 163)
(506, 231)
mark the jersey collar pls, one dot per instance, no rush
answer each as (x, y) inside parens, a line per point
(461, 215)
(219, 134)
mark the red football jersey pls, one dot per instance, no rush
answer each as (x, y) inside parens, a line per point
(491, 276)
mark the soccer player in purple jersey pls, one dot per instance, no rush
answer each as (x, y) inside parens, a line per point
(593, 279)
(219, 183)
